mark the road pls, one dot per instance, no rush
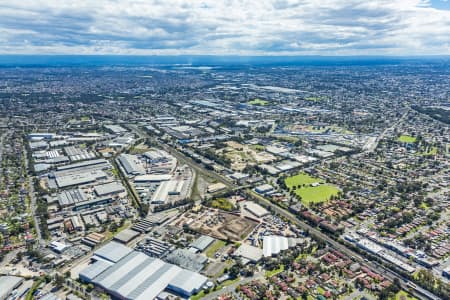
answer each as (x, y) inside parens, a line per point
(374, 145)
(230, 289)
(389, 274)
(32, 196)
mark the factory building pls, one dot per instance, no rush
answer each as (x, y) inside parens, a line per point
(8, 284)
(112, 188)
(167, 189)
(131, 164)
(71, 197)
(156, 156)
(79, 179)
(152, 178)
(272, 245)
(202, 243)
(112, 252)
(256, 209)
(137, 276)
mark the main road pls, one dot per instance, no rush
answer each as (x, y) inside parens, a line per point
(32, 196)
(389, 274)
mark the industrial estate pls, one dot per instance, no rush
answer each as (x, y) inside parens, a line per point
(225, 181)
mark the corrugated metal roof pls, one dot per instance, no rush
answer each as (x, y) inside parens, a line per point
(113, 251)
(140, 277)
(273, 244)
(95, 269)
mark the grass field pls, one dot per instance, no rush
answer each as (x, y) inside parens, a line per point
(430, 151)
(258, 101)
(310, 194)
(211, 251)
(317, 194)
(301, 179)
(406, 139)
(402, 295)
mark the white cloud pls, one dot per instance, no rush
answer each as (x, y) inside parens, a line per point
(325, 27)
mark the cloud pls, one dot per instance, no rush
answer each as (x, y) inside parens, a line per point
(249, 27)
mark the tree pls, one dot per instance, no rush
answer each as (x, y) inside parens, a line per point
(59, 280)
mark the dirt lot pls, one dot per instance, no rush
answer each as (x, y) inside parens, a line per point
(222, 225)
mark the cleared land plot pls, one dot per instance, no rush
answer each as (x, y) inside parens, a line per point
(406, 139)
(311, 194)
(223, 226)
(211, 251)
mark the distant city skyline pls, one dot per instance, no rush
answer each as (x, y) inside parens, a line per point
(265, 27)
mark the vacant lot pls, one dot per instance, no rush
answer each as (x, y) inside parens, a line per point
(223, 226)
(211, 251)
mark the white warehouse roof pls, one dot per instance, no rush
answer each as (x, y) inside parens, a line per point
(273, 244)
(140, 277)
(113, 251)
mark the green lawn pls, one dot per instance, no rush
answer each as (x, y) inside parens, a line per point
(308, 193)
(211, 251)
(406, 139)
(403, 295)
(320, 290)
(274, 272)
(258, 101)
(301, 179)
(317, 194)
(218, 288)
(431, 151)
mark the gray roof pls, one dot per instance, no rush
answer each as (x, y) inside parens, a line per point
(7, 284)
(140, 277)
(71, 197)
(113, 251)
(126, 235)
(202, 242)
(187, 281)
(249, 252)
(129, 164)
(186, 259)
(50, 296)
(95, 269)
(109, 188)
(101, 161)
(80, 178)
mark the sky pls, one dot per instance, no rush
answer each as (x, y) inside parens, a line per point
(226, 27)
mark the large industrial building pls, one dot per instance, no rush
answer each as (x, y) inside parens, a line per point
(136, 276)
(167, 189)
(8, 284)
(71, 197)
(79, 179)
(111, 188)
(131, 165)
